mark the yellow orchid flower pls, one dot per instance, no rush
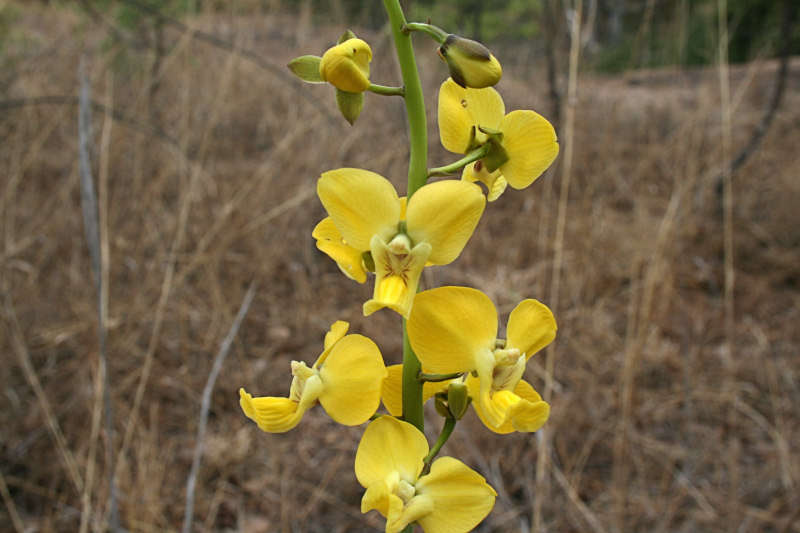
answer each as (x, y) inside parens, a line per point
(469, 118)
(368, 214)
(452, 498)
(454, 329)
(346, 379)
(346, 66)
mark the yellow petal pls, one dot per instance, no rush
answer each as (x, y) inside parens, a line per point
(461, 497)
(347, 258)
(396, 277)
(450, 327)
(361, 204)
(531, 327)
(392, 394)
(378, 496)
(353, 374)
(337, 331)
(484, 368)
(273, 415)
(531, 413)
(444, 214)
(522, 410)
(415, 510)
(346, 66)
(495, 182)
(390, 445)
(531, 144)
(462, 109)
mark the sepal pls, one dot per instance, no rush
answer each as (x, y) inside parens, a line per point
(349, 104)
(306, 68)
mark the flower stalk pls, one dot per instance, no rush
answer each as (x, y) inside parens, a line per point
(386, 91)
(456, 166)
(417, 177)
(447, 430)
(435, 33)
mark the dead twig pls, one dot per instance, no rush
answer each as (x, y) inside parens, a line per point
(206, 405)
(91, 224)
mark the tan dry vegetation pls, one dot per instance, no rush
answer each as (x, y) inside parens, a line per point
(210, 185)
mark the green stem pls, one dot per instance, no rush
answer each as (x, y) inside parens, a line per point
(452, 168)
(447, 430)
(438, 377)
(386, 91)
(412, 387)
(415, 103)
(417, 176)
(436, 33)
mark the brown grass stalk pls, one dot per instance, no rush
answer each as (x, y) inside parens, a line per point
(543, 450)
(16, 521)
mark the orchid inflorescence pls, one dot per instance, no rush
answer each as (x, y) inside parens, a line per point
(452, 352)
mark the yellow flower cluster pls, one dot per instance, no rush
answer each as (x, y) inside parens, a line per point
(452, 330)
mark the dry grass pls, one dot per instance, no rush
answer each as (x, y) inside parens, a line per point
(210, 186)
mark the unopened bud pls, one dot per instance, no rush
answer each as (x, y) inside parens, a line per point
(471, 64)
(440, 402)
(346, 66)
(457, 399)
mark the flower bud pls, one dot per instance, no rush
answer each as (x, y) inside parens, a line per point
(346, 66)
(470, 63)
(440, 402)
(458, 399)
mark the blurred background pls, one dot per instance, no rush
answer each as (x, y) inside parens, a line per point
(666, 239)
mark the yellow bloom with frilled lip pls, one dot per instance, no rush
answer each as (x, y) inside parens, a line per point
(346, 379)
(365, 209)
(452, 498)
(469, 117)
(346, 66)
(454, 329)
